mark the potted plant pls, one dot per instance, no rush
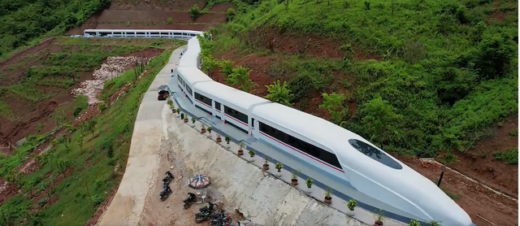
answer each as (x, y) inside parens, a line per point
(172, 107)
(328, 198)
(184, 118)
(209, 131)
(279, 167)
(294, 180)
(414, 223)
(351, 204)
(203, 129)
(227, 138)
(178, 112)
(240, 150)
(309, 183)
(219, 139)
(193, 121)
(379, 218)
(266, 163)
(252, 155)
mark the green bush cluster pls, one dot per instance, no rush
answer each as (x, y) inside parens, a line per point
(447, 69)
(510, 157)
(22, 21)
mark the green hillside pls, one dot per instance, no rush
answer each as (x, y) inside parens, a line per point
(444, 69)
(23, 21)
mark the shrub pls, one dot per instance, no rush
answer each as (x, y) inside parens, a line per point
(510, 157)
(169, 21)
(230, 15)
(195, 12)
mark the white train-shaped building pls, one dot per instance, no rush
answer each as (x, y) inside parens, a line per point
(362, 170)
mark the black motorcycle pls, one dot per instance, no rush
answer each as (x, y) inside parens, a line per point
(169, 177)
(165, 192)
(209, 208)
(206, 213)
(190, 200)
(221, 220)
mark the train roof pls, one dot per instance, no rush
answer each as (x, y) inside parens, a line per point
(193, 45)
(192, 75)
(344, 143)
(132, 30)
(358, 157)
(231, 95)
(189, 60)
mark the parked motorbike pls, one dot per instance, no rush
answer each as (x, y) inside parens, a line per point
(169, 177)
(165, 192)
(206, 213)
(190, 200)
(209, 208)
(221, 220)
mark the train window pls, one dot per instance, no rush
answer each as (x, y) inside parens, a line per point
(176, 33)
(164, 33)
(217, 105)
(253, 122)
(117, 33)
(105, 33)
(374, 153)
(189, 90)
(310, 149)
(203, 99)
(91, 33)
(154, 33)
(236, 114)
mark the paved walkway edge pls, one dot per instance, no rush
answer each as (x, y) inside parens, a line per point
(143, 158)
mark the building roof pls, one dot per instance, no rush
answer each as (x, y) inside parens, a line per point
(192, 75)
(231, 95)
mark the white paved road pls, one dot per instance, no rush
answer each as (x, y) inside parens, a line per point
(143, 160)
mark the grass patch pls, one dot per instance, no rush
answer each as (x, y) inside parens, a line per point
(5, 111)
(90, 155)
(510, 157)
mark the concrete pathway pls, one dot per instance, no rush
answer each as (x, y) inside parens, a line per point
(143, 160)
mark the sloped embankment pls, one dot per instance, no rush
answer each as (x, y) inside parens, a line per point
(263, 199)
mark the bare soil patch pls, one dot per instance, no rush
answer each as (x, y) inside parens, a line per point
(479, 162)
(7, 190)
(475, 199)
(35, 117)
(154, 15)
(156, 4)
(222, 7)
(307, 44)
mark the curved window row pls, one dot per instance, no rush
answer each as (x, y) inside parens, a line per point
(236, 114)
(301, 145)
(203, 99)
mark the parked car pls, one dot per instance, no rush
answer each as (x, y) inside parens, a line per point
(164, 92)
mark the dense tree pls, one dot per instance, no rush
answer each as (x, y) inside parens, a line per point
(334, 103)
(227, 67)
(379, 118)
(240, 77)
(494, 56)
(209, 63)
(279, 93)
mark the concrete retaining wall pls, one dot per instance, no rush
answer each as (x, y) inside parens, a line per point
(264, 199)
